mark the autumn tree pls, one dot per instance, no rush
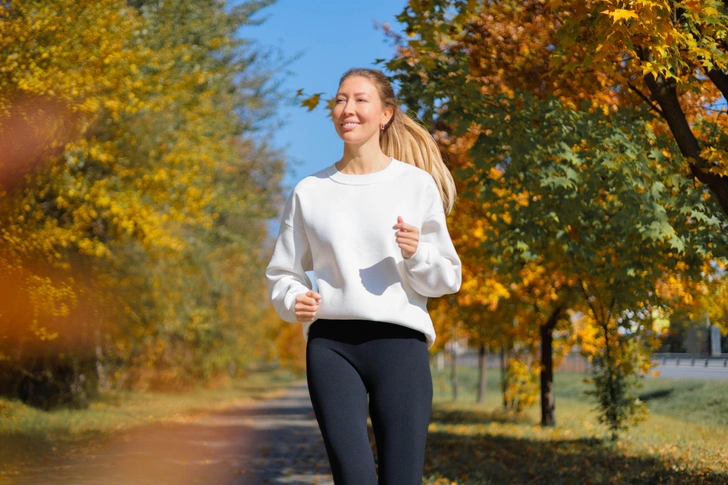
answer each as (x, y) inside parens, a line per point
(459, 56)
(135, 249)
(503, 47)
(573, 193)
(672, 54)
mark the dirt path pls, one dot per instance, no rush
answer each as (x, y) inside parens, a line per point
(276, 441)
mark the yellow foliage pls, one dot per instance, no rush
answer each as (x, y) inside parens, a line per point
(522, 385)
(120, 130)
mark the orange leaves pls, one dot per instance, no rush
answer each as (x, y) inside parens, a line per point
(41, 304)
(481, 290)
(717, 160)
(642, 37)
(494, 173)
(33, 129)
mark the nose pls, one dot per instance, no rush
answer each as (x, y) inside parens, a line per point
(348, 107)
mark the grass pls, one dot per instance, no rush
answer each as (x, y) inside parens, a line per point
(683, 440)
(28, 434)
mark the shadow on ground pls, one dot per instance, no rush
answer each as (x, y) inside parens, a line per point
(276, 441)
(495, 460)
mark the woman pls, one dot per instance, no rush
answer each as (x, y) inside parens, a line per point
(372, 228)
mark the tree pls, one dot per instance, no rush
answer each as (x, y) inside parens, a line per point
(453, 83)
(135, 232)
(579, 178)
(672, 54)
(481, 51)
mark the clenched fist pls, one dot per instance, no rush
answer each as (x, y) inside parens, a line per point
(307, 305)
(408, 238)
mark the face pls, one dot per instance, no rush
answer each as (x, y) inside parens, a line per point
(358, 111)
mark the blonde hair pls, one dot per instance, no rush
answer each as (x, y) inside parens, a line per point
(406, 140)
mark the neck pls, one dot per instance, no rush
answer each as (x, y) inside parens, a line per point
(363, 159)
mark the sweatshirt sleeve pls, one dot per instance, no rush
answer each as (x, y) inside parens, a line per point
(286, 271)
(434, 269)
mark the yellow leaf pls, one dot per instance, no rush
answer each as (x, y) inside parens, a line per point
(312, 101)
(621, 14)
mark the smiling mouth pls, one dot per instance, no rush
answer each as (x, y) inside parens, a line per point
(350, 124)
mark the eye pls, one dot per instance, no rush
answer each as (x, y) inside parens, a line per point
(362, 100)
(340, 100)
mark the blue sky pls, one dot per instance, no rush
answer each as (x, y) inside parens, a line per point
(331, 37)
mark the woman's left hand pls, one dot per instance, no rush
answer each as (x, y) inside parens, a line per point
(408, 237)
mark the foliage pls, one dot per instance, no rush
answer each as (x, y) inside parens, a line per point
(135, 243)
(520, 386)
(616, 381)
(290, 346)
(471, 444)
(585, 188)
(583, 202)
(677, 52)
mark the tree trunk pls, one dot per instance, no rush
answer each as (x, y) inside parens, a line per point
(103, 378)
(454, 372)
(548, 407)
(611, 388)
(664, 92)
(720, 79)
(504, 384)
(482, 368)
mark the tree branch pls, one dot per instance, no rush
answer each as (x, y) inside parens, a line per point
(645, 98)
(588, 301)
(664, 92)
(720, 79)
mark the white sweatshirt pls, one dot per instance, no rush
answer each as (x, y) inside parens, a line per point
(340, 226)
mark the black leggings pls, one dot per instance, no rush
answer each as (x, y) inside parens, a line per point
(345, 361)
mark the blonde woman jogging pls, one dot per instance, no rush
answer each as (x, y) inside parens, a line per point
(372, 229)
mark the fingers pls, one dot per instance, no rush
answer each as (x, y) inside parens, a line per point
(401, 225)
(409, 244)
(406, 230)
(307, 305)
(407, 236)
(313, 295)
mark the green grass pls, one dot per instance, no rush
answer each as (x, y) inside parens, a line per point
(683, 440)
(28, 434)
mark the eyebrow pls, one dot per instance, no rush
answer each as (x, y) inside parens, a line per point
(355, 94)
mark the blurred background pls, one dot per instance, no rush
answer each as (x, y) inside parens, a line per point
(147, 148)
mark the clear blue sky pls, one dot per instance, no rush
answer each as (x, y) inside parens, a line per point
(330, 36)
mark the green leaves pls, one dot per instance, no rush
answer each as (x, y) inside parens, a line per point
(590, 190)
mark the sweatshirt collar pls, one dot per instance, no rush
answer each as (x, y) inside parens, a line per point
(365, 179)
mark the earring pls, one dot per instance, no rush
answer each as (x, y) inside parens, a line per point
(381, 127)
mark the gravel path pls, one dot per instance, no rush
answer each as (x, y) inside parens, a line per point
(276, 441)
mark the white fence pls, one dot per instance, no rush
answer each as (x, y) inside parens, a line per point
(691, 360)
(573, 362)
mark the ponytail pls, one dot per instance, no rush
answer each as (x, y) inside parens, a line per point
(406, 140)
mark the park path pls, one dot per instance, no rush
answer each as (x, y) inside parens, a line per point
(274, 441)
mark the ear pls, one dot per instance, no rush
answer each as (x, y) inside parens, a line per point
(387, 114)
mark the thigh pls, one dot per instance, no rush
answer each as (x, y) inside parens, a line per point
(400, 403)
(339, 401)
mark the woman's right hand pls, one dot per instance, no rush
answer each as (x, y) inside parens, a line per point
(307, 305)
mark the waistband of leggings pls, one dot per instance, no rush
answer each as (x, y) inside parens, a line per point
(361, 330)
